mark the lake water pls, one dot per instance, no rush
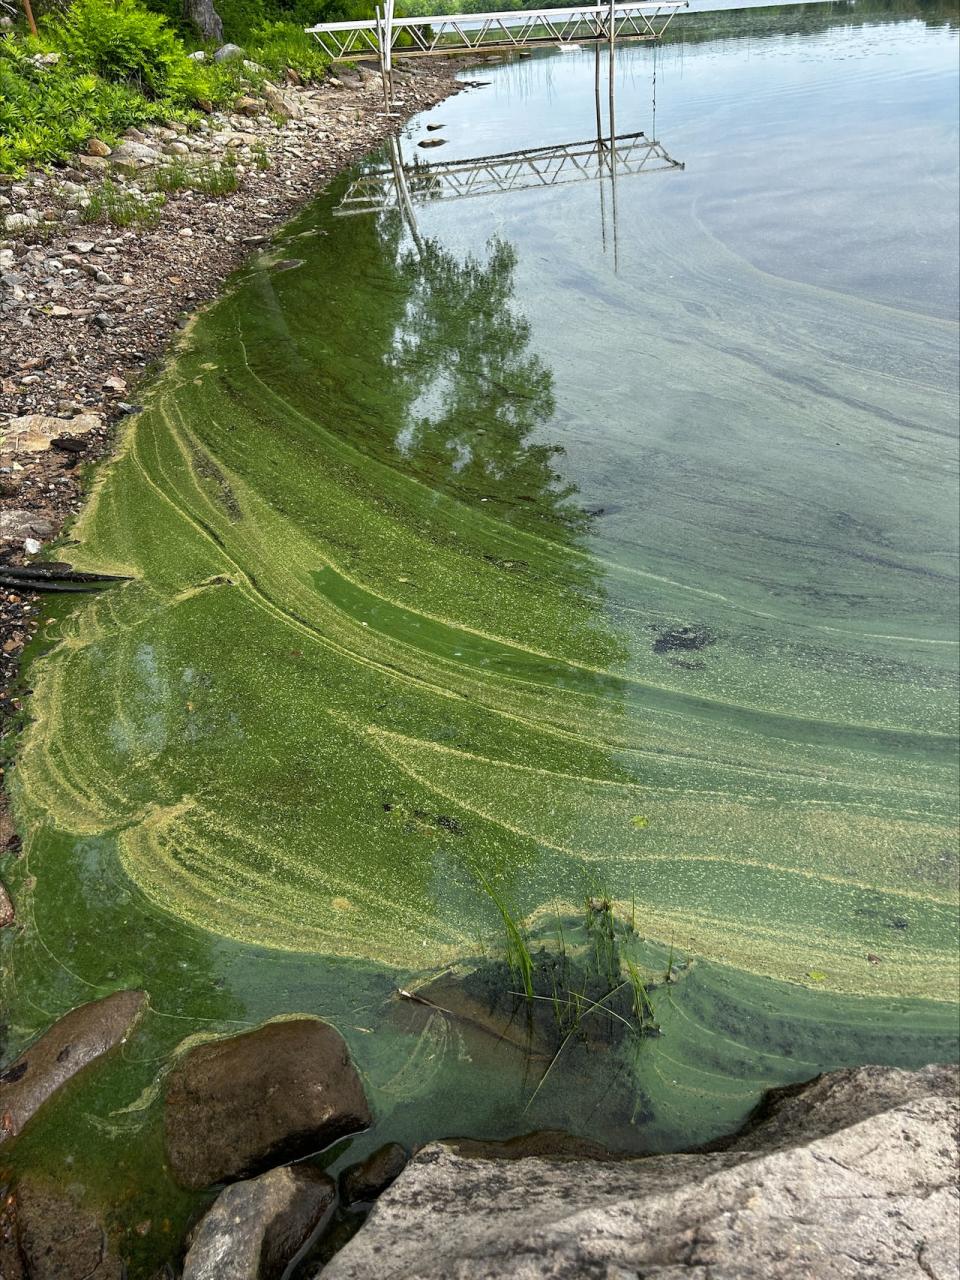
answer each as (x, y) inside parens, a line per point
(574, 543)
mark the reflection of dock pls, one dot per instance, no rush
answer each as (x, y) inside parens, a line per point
(494, 32)
(626, 155)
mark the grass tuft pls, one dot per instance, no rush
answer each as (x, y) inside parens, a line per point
(121, 208)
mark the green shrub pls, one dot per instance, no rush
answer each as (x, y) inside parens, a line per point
(46, 114)
(278, 45)
(120, 65)
(122, 42)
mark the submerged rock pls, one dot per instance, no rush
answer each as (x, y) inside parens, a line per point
(79, 1038)
(852, 1177)
(234, 1107)
(363, 1182)
(48, 1235)
(256, 1227)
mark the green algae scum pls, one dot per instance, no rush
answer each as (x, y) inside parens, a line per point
(477, 573)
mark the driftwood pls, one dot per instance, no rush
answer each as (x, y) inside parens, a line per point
(53, 577)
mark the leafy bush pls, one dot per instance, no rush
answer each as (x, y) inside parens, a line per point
(120, 41)
(124, 64)
(278, 45)
(119, 65)
(48, 113)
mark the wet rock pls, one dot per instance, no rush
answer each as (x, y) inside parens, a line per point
(472, 1006)
(256, 1227)
(236, 1106)
(78, 1039)
(361, 1183)
(852, 1177)
(54, 1237)
(12, 1265)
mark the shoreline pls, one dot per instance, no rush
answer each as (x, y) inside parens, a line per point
(88, 309)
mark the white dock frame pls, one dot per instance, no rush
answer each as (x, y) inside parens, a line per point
(515, 29)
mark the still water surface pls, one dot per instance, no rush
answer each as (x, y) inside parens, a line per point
(581, 540)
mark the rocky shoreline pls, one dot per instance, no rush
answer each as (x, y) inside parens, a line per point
(88, 307)
(850, 1176)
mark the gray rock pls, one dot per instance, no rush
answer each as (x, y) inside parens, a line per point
(228, 52)
(16, 523)
(71, 1044)
(363, 1182)
(134, 155)
(237, 1106)
(19, 221)
(852, 1177)
(280, 103)
(256, 1227)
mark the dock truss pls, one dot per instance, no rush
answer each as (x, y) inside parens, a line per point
(451, 34)
(626, 155)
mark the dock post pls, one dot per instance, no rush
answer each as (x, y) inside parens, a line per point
(378, 18)
(388, 23)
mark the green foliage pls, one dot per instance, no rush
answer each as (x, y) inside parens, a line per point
(123, 43)
(278, 45)
(518, 949)
(48, 113)
(120, 65)
(124, 64)
(241, 18)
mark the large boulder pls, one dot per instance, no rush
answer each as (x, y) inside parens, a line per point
(237, 1106)
(79, 1038)
(852, 1177)
(255, 1228)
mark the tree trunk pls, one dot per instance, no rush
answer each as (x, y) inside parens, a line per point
(28, 11)
(205, 18)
